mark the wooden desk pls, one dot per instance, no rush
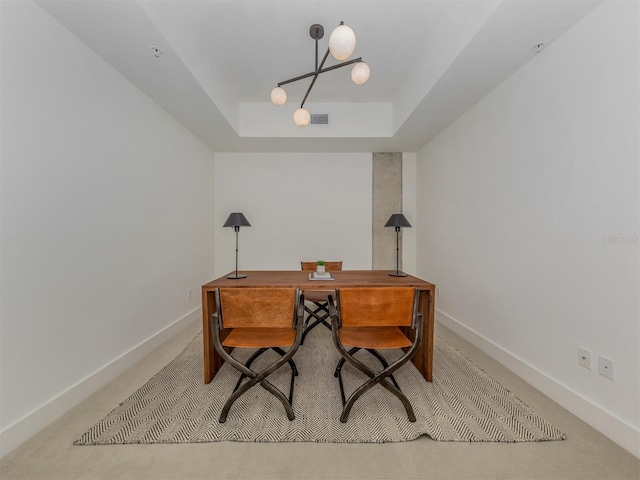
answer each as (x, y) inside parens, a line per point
(423, 360)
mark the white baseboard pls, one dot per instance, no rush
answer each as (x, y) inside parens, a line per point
(20, 431)
(605, 422)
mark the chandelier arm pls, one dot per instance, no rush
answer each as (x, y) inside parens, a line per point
(328, 69)
(301, 77)
(315, 77)
(343, 64)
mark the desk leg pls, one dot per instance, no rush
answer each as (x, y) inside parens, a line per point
(423, 360)
(429, 309)
(209, 353)
(212, 361)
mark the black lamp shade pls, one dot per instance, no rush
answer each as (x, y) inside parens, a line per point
(237, 220)
(397, 220)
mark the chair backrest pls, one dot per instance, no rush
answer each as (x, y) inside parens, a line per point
(328, 266)
(257, 307)
(371, 307)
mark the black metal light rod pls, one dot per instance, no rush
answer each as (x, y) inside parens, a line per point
(301, 77)
(237, 229)
(311, 74)
(316, 64)
(343, 64)
(315, 77)
(397, 252)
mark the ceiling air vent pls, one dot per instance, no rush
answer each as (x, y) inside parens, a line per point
(320, 119)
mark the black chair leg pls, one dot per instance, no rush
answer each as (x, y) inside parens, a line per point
(248, 363)
(374, 379)
(373, 352)
(321, 309)
(281, 352)
(384, 363)
(346, 409)
(259, 352)
(260, 377)
(267, 386)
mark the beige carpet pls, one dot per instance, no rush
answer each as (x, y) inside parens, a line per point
(463, 403)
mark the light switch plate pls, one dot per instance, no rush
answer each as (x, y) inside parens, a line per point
(605, 367)
(584, 357)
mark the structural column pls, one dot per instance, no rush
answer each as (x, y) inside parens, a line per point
(387, 199)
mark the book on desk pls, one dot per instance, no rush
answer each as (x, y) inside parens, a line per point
(320, 276)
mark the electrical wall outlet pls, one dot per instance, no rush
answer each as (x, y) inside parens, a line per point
(584, 357)
(189, 295)
(605, 367)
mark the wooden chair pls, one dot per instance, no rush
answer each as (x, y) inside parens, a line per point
(320, 311)
(371, 319)
(262, 319)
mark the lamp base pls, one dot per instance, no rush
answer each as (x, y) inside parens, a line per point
(236, 277)
(399, 274)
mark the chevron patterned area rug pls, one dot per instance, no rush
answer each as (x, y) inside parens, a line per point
(462, 404)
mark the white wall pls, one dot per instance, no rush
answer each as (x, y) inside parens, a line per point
(301, 206)
(106, 223)
(409, 235)
(528, 213)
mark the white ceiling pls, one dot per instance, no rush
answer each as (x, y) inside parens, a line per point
(430, 61)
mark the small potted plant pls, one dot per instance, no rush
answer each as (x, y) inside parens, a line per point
(320, 267)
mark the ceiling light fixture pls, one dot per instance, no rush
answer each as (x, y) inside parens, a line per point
(342, 43)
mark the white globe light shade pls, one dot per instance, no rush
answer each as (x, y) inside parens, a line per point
(360, 73)
(278, 96)
(342, 42)
(302, 117)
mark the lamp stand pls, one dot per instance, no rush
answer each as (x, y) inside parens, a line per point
(398, 273)
(236, 276)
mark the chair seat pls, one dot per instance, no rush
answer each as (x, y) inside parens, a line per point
(317, 295)
(378, 338)
(260, 337)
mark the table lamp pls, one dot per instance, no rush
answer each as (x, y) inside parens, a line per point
(397, 220)
(236, 220)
